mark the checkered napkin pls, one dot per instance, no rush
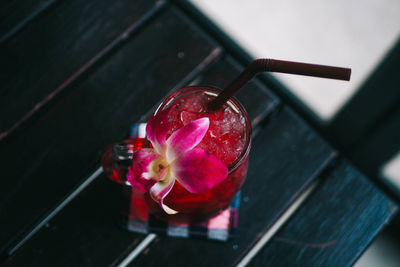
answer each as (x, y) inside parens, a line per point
(136, 217)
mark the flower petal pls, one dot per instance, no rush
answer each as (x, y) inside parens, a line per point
(139, 174)
(157, 130)
(160, 190)
(199, 170)
(186, 138)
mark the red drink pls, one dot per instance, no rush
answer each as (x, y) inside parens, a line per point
(228, 138)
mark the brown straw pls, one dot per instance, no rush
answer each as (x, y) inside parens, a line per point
(273, 65)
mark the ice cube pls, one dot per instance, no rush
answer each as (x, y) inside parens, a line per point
(187, 117)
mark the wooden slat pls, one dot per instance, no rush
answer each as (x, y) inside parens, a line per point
(56, 151)
(372, 151)
(16, 14)
(286, 156)
(334, 226)
(94, 223)
(54, 49)
(86, 233)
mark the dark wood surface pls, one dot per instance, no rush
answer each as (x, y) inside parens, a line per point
(379, 146)
(17, 14)
(56, 48)
(324, 230)
(85, 233)
(60, 148)
(79, 74)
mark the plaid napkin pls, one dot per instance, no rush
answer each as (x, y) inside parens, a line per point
(136, 217)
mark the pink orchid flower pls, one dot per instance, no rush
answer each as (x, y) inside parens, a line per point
(176, 158)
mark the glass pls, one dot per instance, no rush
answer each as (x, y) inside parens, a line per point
(228, 138)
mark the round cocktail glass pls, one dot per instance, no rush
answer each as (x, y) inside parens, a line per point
(228, 138)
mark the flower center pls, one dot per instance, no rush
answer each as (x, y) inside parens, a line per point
(160, 168)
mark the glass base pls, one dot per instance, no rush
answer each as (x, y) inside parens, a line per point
(137, 218)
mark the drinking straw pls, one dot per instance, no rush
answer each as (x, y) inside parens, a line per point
(273, 65)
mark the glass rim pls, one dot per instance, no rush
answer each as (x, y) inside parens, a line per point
(233, 100)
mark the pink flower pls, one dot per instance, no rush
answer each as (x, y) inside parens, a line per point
(175, 158)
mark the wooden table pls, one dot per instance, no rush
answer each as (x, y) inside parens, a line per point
(75, 76)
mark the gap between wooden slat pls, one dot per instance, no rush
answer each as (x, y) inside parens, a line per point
(87, 182)
(106, 50)
(278, 224)
(324, 169)
(25, 21)
(145, 242)
(214, 54)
